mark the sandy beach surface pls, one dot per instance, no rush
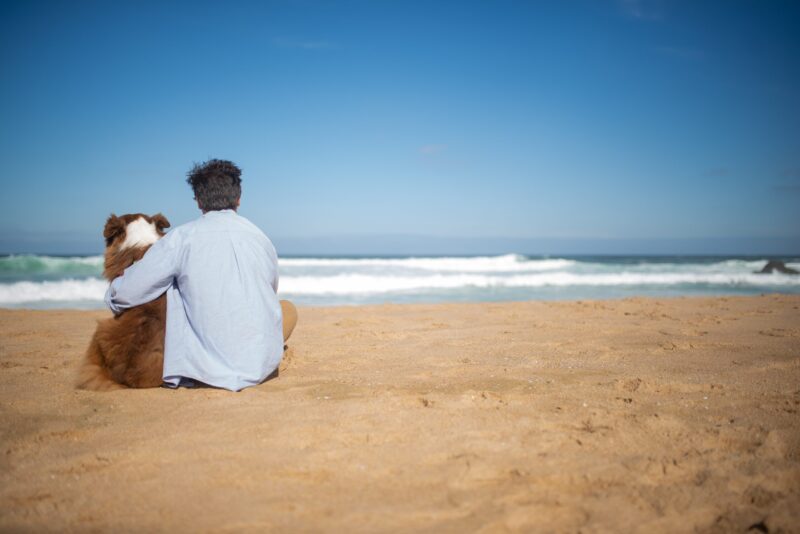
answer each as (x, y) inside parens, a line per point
(638, 415)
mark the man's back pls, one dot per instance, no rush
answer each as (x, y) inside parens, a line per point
(223, 316)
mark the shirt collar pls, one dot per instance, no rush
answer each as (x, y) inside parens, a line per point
(214, 213)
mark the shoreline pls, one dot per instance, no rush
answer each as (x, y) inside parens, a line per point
(543, 415)
(100, 307)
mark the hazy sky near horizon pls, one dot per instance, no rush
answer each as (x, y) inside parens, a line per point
(621, 119)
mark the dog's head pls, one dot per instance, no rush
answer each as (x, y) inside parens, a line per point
(127, 239)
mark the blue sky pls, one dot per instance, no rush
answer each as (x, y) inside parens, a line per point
(564, 121)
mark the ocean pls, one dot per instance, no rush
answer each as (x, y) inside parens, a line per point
(38, 281)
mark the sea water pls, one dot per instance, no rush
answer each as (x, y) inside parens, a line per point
(34, 281)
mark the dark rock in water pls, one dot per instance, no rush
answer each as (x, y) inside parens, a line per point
(774, 265)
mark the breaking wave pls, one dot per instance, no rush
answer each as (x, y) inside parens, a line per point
(29, 266)
(90, 289)
(479, 264)
(50, 281)
(365, 284)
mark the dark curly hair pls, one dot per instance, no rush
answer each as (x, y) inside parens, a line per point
(216, 184)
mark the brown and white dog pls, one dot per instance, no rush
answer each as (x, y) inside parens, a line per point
(128, 350)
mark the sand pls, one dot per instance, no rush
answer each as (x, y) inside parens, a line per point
(638, 415)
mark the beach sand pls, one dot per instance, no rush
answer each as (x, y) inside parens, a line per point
(641, 415)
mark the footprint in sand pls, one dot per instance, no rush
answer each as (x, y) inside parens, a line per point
(779, 332)
(286, 362)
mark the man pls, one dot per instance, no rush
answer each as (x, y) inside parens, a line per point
(225, 325)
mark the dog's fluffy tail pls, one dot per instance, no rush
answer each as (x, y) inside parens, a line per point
(92, 374)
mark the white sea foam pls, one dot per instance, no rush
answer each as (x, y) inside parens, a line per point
(367, 284)
(60, 291)
(506, 263)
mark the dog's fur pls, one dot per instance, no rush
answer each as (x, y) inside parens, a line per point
(128, 350)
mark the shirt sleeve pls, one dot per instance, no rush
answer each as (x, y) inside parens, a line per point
(148, 278)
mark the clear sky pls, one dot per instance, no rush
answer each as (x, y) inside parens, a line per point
(631, 120)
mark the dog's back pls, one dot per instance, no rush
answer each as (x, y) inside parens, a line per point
(128, 350)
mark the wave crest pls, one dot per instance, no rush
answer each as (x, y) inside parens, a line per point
(30, 264)
(477, 264)
(367, 284)
(90, 289)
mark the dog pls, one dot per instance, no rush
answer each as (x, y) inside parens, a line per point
(128, 350)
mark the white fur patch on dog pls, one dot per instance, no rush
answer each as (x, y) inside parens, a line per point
(139, 233)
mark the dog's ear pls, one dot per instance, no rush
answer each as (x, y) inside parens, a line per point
(114, 227)
(160, 221)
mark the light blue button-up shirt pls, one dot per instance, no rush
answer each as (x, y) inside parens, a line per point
(224, 322)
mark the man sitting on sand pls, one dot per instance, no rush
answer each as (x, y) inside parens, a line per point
(225, 326)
